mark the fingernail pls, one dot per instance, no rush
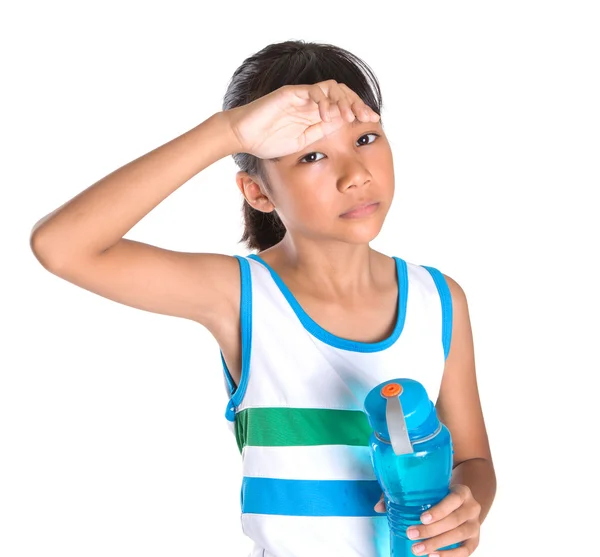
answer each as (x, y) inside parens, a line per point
(412, 533)
(426, 518)
(418, 548)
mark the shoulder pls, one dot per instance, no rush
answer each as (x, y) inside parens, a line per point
(456, 290)
(461, 347)
(461, 325)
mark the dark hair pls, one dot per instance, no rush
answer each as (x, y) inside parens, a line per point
(290, 63)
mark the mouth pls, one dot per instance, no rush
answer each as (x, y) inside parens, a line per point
(361, 211)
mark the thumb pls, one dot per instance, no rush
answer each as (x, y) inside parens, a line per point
(380, 506)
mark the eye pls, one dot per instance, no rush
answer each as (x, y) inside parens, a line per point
(367, 135)
(310, 155)
(302, 160)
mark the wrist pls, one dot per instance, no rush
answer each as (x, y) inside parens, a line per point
(226, 122)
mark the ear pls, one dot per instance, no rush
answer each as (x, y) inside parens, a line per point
(253, 192)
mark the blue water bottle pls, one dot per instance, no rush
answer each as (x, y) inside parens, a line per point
(411, 453)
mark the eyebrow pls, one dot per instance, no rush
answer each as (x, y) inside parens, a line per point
(354, 123)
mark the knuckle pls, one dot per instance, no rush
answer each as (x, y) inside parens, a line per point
(455, 499)
(462, 515)
(457, 520)
(470, 546)
(316, 87)
(465, 530)
(461, 490)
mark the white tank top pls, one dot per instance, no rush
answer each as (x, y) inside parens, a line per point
(308, 486)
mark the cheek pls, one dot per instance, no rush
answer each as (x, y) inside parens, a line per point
(310, 198)
(385, 165)
(310, 210)
(384, 175)
(312, 206)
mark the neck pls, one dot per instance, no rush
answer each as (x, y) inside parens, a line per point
(335, 269)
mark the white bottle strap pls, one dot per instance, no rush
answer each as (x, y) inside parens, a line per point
(396, 424)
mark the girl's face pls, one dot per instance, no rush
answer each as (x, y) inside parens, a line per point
(312, 189)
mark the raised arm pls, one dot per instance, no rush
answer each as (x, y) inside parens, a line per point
(82, 240)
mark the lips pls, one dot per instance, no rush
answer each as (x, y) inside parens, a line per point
(364, 208)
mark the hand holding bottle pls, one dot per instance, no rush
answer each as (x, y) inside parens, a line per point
(454, 519)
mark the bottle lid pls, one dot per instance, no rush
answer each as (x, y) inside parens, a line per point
(419, 412)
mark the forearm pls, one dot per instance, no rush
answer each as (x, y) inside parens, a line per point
(98, 217)
(479, 475)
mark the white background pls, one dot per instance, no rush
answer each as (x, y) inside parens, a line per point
(113, 439)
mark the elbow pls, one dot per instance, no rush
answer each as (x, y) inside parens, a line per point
(42, 250)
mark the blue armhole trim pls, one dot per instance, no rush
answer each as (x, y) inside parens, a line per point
(446, 299)
(246, 327)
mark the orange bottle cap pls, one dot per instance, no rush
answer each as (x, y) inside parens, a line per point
(391, 389)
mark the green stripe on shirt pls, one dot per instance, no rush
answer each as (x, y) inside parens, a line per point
(286, 427)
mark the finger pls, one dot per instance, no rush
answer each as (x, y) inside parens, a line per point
(453, 520)
(463, 534)
(362, 112)
(466, 548)
(361, 105)
(332, 95)
(318, 96)
(380, 506)
(340, 98)
(446, 506)
(346, 101)
(352, 104)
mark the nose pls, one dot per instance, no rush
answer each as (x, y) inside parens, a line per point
(354, 173)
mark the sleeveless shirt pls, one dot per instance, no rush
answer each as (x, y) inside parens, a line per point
(308, 486)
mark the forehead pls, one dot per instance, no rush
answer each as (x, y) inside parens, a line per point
(354, 124)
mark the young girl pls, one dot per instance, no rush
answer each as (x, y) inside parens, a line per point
(315, 319)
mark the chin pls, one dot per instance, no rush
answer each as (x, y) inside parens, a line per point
(362, 233)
